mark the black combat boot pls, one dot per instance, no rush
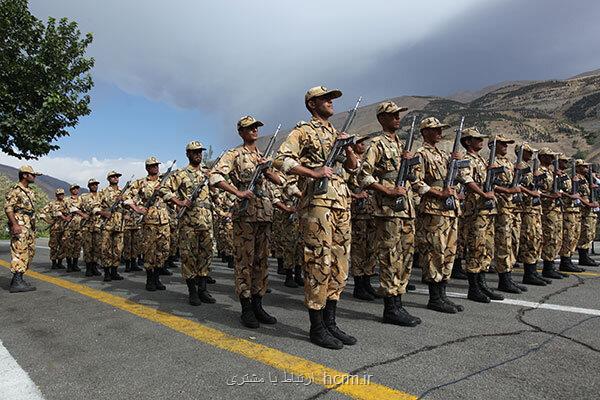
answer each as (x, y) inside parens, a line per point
(522, 288)
(88, 269)
(485, 289)
(133, 265)
(203, 294)
(393, 315)
(457, 272)
(248, 318)
(366, 281)
(157, 282)
(114, 274)
(170, 263)
(280, 267)
(289, 279)
(230, 262)
(475, 292)
(505, 284)
(107, 275)
(445, 298)
(359, 290)
(53, 264)
(585, 259)
(210, 280)
(75, 265)
(548, 271)
(319, 334)
(410, 287)
(566, 265)
(127, 265)
(150, 283)
(531, 277)
(95, 269)
(164, 271)
(59, 264)
(193, 298)
(18, 284)
(298, 275)
(330, 324)
(69, 267)
(259, 312)
(436, 302)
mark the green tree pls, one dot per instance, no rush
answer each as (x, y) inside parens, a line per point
(44, 78)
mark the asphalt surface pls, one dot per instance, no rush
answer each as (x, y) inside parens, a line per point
(76, 347)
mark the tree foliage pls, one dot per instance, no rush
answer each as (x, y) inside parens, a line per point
(44, 80)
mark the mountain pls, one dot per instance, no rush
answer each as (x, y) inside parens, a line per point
(46, 183)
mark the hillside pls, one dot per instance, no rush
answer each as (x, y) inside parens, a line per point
(46, 183)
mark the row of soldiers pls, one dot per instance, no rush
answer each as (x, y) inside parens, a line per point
(395, 223)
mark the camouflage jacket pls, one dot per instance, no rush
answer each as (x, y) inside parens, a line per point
(91, 205)
(546, 188)
(75, 204)
(108, 196)
(20, 200)
(477, 173)
(505, 179)
(140, 192)
(52, 213)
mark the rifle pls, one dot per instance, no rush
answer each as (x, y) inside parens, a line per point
(574, 184)
(490, 176)
(404, 173)
(593, 191)
(118, 201)
(555, 180)
(193, 196)
(322, 184)
(453, 167)
(152, 199)
(518, 176)
(537, 180)
(260, 169)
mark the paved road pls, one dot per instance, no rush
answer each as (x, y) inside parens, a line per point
(81, 338)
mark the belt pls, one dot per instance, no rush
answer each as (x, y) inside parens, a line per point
(392, 175)
(25, 212)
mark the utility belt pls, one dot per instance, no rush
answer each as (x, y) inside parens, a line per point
(29, 213)
(391, 176)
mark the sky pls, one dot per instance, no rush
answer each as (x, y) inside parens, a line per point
(170, 72)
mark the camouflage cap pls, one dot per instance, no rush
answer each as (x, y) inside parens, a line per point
(194, 145)
(28, 169)
(432, 122)
(579, 162)
(73, 186)
(473, 132)
(112, 173)
(152, 161)
(93, 181)
(247, 121)
(389, 107)
(545, 151)
(563, 157)
(526, 147)
(59, 191)
(503, 139)
(319, 91)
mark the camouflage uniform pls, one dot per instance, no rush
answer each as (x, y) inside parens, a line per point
(285, 228)
(91, 233)
(571, 217)
(132, 235)
(505, 220)
(52, 214)
(223, 225)
(589, 219)
(20, 200)
(552, 222)
(530, 235)
(73, 232)
(112, 229)
(174, 233)
(363, 256)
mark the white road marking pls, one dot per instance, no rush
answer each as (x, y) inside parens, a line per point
(15, 384)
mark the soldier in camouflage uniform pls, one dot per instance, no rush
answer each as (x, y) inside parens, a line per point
(280, 216)
(195, 225)
(324, 218)
(571, 205)
(56, 213)
(589, 216)
(252, 224)
(19, 206)
(155, 222)
(394, 227)
(73, 231)
(91, 233)
(132, 240)
(223, 203)
(436, 227)
(111, 227)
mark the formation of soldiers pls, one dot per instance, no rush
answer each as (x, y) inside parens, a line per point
(324, 205)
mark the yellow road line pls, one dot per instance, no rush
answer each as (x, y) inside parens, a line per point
(354, 386)
(586, 273)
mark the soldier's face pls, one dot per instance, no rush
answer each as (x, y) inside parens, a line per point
(562, 164)
(30, 178)
(194, 156)
(60, 197)
(93, 187)
(75, 191)
(582, 169)
(249, 134)
(390, 121)
(113, 180)
(527, 155)
(432, 135)
(360, 148)
(152, 169)
(476, 144)
(545, 159)
(501, 148)
(322, 106)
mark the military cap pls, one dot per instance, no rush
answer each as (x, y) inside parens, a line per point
(28, 169)
(545, 151)
(247, 121)
(579, 162)
(319, 91)
(367, 137)
(503, 139)
(152, 161)
(92, 182)
(389, 107)
(73, 186)
(112, 173)
(59, 191)
(194, 145)
(473, 132)
(526, 147)
(563, 157)
(432, 122)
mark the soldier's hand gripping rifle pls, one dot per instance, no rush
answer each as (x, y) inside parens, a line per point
(117, 201)
(518, 176)
(453, 167)
(490, 176)
(197, 189)
(260, 169)
(405, 171)
(322, 184)
(152, 199)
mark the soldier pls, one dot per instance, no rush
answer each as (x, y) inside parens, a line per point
(571, 216)
(195, 225)
(111, 211)
(155, 222)
(73, 230)
(324, 218)
(589, 216)
(394, 228)
(19, 207)
(56, 213)
(477, 220)
(91, 233)
(223, 203)
(251, 222)
(436, 226)
(280, 218)
(132, 240)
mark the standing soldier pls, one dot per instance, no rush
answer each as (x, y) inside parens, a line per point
(436, 225)
(394, 227)
(195, 225)
(155, 222)
(56, 213)
(73, 230)
(571, 216)
(132, 240)
(222, 206)
(278, 236)
(252, 216)
(91, 233)
(324, 217)
(111, 227)
(19, 207)
(589, 216)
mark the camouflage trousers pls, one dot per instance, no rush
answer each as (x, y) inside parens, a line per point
(56, 244)
(551, 233)
(132, 243)
(588, 230)
(436, 243)
(461, 251)
(112, 248)
(92, 245)
(530, 238)
(22, 250)
(570, 234)
(327, 236)
(503, 235)
(292, 245)
(279, 229)
(224, 236)
(395, 238)
(73, 239)
(363, 254)
(155, 245)
(174, 238)
(478, 233)
(251, 245)
(516, 233)
(196, 248)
